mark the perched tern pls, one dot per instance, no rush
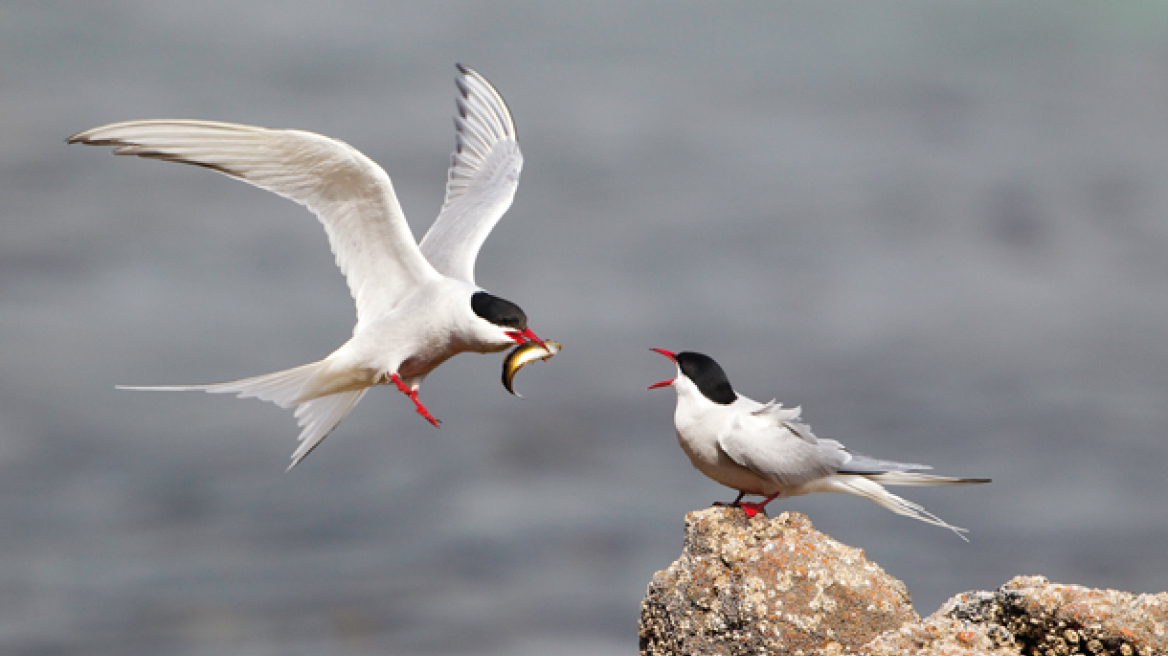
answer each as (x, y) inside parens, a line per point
(766, 449)
(417, 304)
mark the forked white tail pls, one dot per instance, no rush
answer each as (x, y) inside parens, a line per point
(317, 417)
(870, 489)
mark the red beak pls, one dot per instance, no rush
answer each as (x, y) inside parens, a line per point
(672, 356)
(524, 336)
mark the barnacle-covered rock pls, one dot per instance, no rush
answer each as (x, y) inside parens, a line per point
(761, 585)
(778, 586)
(1030, 615)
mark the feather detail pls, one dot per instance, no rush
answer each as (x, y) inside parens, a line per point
(484, 173)
(869, 489)
(349, 193)
(317, 417)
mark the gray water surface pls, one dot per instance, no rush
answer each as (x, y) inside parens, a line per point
(939, 226)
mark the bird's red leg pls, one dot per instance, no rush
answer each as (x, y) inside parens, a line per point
(413, 394)
(752, 509)
(735, 502)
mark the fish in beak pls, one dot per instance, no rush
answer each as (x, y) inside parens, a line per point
(526, 353)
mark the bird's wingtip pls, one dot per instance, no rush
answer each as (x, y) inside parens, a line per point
(80, 137)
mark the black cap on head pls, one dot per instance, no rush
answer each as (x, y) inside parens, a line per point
(498, 311)
(707, 375)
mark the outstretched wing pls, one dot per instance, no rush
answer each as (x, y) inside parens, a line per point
(350, 194)
(484, 172)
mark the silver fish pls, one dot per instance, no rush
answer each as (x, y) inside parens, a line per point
(525, 354)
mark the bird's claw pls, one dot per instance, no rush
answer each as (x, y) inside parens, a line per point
(413, 394)
(733, 504)
(426, 415)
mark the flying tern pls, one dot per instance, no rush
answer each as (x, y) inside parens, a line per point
(766, 449)
(417, 304)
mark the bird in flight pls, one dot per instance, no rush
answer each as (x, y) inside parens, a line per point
(417, 303)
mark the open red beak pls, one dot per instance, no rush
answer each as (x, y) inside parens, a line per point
(669, 354)
(672, 356)
(524, 336)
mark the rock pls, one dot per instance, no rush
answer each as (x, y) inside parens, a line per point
(937, 636)
(778, 586)
(1050, 618)
(761, 585)
(1030, 615)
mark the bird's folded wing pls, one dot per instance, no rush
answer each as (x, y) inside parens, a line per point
(778, 453)
(350, 194)
(484, 172)
(858, 463)
(789, 418)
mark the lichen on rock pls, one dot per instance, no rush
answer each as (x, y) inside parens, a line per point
(766, 585)
(1052, 618)
(778, 586)
(1030, 615)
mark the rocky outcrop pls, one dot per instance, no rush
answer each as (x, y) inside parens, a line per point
(778, 586)
(761, 585)
(1030, 615)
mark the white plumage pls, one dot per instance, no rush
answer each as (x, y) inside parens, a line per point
(417, 305)
(767, 450)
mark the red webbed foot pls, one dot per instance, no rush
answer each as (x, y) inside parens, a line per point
(413, 394)
(752, 509)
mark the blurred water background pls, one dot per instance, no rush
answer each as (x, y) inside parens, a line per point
(939, 226)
